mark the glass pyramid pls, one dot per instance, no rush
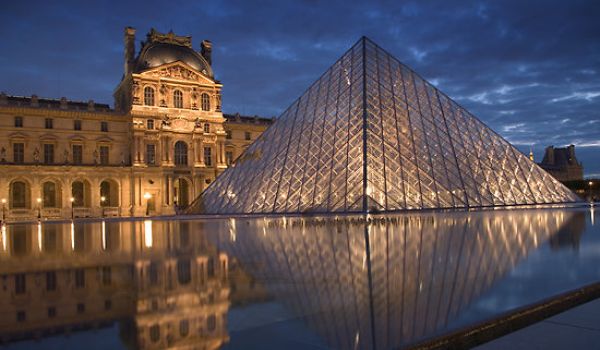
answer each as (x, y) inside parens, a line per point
(372, 135)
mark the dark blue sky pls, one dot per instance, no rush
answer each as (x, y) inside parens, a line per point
(528, 69)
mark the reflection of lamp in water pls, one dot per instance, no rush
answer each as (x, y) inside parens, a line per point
(103, 235)
(40, 236)
(3, 228)
(39, 200)
(72, 235)
(147, 197)
(72, 212)
(148, 233)
(3, 207)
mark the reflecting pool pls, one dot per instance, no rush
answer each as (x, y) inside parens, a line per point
(346, 282)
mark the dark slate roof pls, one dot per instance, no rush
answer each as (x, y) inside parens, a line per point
(157, 54)
(561, 158)
(53, 103)
(237, 118)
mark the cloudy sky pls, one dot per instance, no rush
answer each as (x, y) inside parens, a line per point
(529, 69)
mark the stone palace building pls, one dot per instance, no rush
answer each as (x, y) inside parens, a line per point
(165, 140)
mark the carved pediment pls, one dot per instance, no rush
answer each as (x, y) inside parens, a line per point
(182, 125)
(178, 70)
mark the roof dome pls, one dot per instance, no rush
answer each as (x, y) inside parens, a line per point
(162, 50)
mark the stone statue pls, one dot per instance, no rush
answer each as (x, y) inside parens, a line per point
(36, 155)
(95, 156)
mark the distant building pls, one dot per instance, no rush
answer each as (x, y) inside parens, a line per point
(562, 163)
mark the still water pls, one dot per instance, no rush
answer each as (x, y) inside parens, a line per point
(293, 283)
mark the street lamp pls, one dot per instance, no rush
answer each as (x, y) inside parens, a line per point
(39, 200)
(3, 208)
(147, 197)
(591, 197)
(72, 211)
(102, 200)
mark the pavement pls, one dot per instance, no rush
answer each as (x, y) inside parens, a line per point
(576, 328)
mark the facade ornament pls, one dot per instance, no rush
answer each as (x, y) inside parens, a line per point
(95, 156)
(3, 155)
(36, 155)
(135, 92)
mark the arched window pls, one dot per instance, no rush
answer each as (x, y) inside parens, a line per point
(80, 193)
(148, 96)
(49, 191)
(18, 195)
(177, 99)
(109, 191)
(181, 153)
(205, 102)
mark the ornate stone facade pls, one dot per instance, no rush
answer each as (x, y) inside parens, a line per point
(162, 144)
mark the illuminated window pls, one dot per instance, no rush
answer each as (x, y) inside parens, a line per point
(148, 96)
(19, 153)
(207, 128)
(181, 153)
(104, 155)
(18, 122)
(208, 156)
(150, 124)
(205, 102)
(48, 153)
(77, 154)
(177, 99)
(150, 154)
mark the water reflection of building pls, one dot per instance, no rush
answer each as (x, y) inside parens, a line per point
(569, 235)
(167, 287)
(416, 276)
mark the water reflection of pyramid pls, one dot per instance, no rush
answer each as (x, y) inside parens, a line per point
(371, 134)
(409, 283)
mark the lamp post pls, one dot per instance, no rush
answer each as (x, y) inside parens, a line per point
(39, 201)
(72, 211)
(102, 200)
(3, 208)
(147, 197)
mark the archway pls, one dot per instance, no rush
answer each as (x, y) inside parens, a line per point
(20, 195)
(80, 191)
(182, 192)
(109, 191)
(51, 194)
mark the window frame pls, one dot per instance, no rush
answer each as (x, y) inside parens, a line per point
(177, 99)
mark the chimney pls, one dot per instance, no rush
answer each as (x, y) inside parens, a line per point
(206, 50)
(571, 154)
(129, 49)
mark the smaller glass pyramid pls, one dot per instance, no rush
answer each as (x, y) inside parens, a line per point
(372, 135)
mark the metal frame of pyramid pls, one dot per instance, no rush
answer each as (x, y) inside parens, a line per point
(371, 135)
